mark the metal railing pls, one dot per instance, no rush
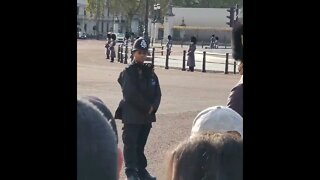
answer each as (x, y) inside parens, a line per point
(124, 52)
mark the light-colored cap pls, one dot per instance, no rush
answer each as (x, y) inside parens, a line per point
(217, 119)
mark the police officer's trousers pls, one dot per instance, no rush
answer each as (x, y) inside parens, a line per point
(134, 139)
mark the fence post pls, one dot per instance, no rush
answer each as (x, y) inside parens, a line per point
(167, 59)
(161, 41)
(126, 55)
(184, 60)
(152, 59)
(162, 50)
(204, 62)
(234, 67)
(227, 64)
(118, 52)
(202, 44)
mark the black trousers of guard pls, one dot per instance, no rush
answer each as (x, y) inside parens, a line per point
(134, 139)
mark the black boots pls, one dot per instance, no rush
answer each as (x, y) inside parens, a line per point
(145, 175)
(132, 174)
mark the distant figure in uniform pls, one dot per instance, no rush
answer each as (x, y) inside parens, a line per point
(112, 47)
(191, 59)
(132, 39)
(127, 38)
(141, 99)
(126, 43)
(216, 42)
(169, 44)
(212, 42)
(107, 45)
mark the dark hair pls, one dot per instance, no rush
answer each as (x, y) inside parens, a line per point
(237, 46)
(215, 156)
(96, 145)
(105, 111)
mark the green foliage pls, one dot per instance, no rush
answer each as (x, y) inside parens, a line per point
(207, 3)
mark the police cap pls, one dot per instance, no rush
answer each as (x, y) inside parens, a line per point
(140, 44)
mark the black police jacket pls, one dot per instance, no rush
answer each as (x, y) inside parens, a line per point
(141, 90)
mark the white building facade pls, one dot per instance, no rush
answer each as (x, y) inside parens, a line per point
(109, 23)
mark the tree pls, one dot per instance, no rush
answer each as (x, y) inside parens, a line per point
(127, 9)
(96, 10)
(130, 8)
(207, 3)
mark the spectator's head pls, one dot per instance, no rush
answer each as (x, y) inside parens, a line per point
(169, 37)
(212, 35)
(140, 50)
(215, 156)
(219, 119)
(97, 153)
(105, 111)
(237, 45)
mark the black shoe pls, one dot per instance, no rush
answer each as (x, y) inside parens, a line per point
(145, 175)
(132, 177)
(132, 174)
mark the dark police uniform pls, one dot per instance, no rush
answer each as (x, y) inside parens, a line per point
(141, 90)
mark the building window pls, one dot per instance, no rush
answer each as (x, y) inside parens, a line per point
(77, 10)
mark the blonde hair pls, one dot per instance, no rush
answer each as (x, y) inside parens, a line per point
(210, 156)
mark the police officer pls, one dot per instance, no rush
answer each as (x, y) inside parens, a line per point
(112, 47)
(107, 45)
(141, 99)
(169, 44)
